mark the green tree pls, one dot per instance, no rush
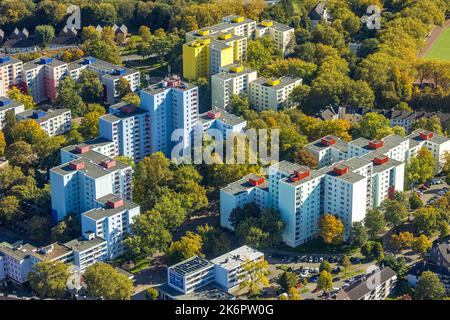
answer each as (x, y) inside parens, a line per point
(325, 265)
(325, 281)
(9, 209)
(345, 262)
(254, 276)
(38, 228)
(69, 98)
(104, 281)
(89, 125)
(374, 126)
(49, 279)
(132, 98)
(171, 208)
(215, 242)
(151, 294)
(374, 222)
(123, 87)
(148, 235)
(429, 287)
(421, 167)
(21, 154)
(188, 246)
(43, 34)
(358, 234)
(421, 245)
(415, 202)
(2, 143)
(288, 280)
(17, 95)
(331, 229)
(89, 86)
(425, 220)
(395, 212)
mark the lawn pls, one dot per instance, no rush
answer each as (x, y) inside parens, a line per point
(441, 48)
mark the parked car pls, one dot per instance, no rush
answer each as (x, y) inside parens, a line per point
(337, 279)
(310, 260)
(316, 260)
(320, 259)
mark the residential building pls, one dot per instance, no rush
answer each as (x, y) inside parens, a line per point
(108, 73)
(318, 14)
(199, 279)
(233, 80)
(172, 104)
(15, 263)
(111, 221)
(436, 143)
(19, 42)
(6, 105)
(51, 253)
(328, 150)
(220, 119)
(417, 269)
(42, 78)
(272, 94)
(249, 189)
(66, 38)
(282, 35)
(88, 250)
(77, 185)
(129, 128)
(374, 286)
(10, 73)
(229, 268)
(439, 254)
(54, 122)
(100, 145)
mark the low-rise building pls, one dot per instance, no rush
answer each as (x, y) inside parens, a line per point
(15, 262)
(272, 94)
(374, 286)
(6, 105)
(51, 253)
(54, 122)
(318, 14)
(416, 271)
(439, 254)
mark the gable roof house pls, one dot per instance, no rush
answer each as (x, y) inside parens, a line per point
(19, 42)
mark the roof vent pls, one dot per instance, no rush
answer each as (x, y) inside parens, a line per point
(380, 160)
(375, 144)
(82, 148)
(256, 181)
(5, 102)
(426, 135)
(299, 175)
(76, 165)
(328, 141)
(340, 169)
(5, 59)
(214, 114)
(38, 114)
(128, 109)
(46, 60)
(115, 203)
(108, 164)
(89, 60)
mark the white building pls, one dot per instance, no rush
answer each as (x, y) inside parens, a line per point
(88, 250)
(272, 93)
(436, 143)
(191, 274)
(42, 78)
(6, 105)
(111, 221)
(250, 189)
(282, 35)
(10, 73)
(172, 104)
(54, 122)
(100, 145)
(78, 184)
(328, 150)
(220, 119)
(228, 269)
(129, 128)
(108, 73)
(15, 263)
(51, 253)
(234, 80)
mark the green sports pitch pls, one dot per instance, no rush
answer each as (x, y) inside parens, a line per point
(441, 48)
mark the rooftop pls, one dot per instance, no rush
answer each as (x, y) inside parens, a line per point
(278, 83)
(122, 110)
(223, 115)
(40, 116)
(207, 292)
(7, 103)
(339, 144)
(83, 244)
(243, 185)
(359, 289)
(52, 252)
(108, 211)
(190, 266)
(18, 252)
(235, 258)
(39, 62)
(173, 82)
(415, 139)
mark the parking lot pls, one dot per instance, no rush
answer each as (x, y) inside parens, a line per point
(307, 267)
(432, 190)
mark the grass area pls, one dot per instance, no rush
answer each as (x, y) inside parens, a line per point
(283, 267)
(441, 48)
(317, 246)
(141, 265)
(304, 290)
(351, 273)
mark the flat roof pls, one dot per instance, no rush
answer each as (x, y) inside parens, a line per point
(37, 62)
(106, 211)
(12, 60)
(284, 81)
(52, 252)
(414, 138)
(226, 117)
(235, 258)
(12, 104)
(243, 185)
(207, 292)
(190, 266)
(317, 145)
(82, 244)
(28, 114)
(94, 143)
(18, 252)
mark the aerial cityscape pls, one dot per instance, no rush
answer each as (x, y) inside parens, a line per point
(224, 150)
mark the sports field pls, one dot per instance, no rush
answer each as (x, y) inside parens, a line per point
(441, 48)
